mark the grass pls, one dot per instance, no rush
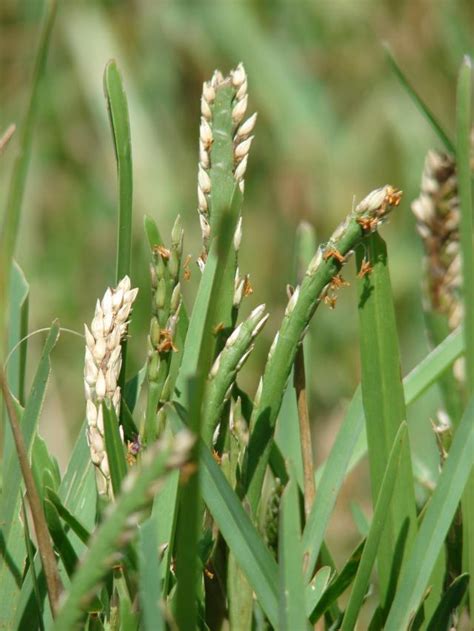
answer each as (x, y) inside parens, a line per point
(213, 517)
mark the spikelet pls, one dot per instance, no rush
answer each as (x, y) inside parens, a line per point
(241, 138)
(437, 214)
(103, 361)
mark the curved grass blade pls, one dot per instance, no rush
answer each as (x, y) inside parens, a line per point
(290, 558)
(15, 370)
(421, 105)
(384, 407)
(119, 121)
(11, 220)
(435, 525)
(119, 525)
(351, 444)
(364, 570)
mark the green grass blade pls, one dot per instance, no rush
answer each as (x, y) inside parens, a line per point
(440, 620)
(61, 542)
(11, 219)
(367, 561)
(384, 406)
(463, 155)
(71, 521)
(44, 467)
(317, 587)
(152, 232)
(240, 535)
(150, 576)
(435, 525)
(292, 595)
(114, 447)
(339, 583)
(15, 370)
(119, 526)
(120, 124)
(351, 444)
(421, 105)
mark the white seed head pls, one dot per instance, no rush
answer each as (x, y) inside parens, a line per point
(243, 148)
(238, 235)
(204, 159)
(204, 180)
(102, 363)
(247, 127)
(205, 227)
(205, 109)
(205, 133)
(242, 91)
(208, 92)
(239, 109)
(241, 168)
(202, 200)
(239, 76)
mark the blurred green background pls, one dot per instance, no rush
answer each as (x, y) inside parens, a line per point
(333, 124)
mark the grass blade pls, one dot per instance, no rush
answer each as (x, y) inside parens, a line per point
(150, 576)
(120, 125)
(384, 406)
(16, 366)
(11, 220)
(463, 149)
(339, 584)
(240, 534)
(351, 444)
(437, 520)
(362, 578)
(421, 105)
(440, 621)
(290, 558)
